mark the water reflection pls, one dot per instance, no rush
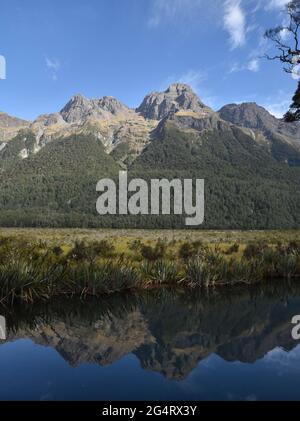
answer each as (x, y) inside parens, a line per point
(169, 332)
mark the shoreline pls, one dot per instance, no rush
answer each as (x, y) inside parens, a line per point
(34, 270)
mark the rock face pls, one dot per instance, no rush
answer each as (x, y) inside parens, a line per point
(10, 126)
(253, 116)
(121, 130)
(79, 109)
(249, 115)
(159, 105)
(125, 133)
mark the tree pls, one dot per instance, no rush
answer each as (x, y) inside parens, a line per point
(287, 42)
(294, 113)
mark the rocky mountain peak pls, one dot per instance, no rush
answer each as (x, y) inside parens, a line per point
(80, 108)
(179, 89)
(112, 105)
(177, 97)
(77, 109)
(255, 117)
(248, 114)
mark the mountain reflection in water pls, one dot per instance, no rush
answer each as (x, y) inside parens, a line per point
(168, 332)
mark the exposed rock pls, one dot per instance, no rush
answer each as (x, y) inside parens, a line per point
(112, 105)
(125, 132)
(10, 126)
(49, 120)
(79, 109)
(178, 96)
(256, 117)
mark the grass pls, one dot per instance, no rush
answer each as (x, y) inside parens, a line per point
(42, 264)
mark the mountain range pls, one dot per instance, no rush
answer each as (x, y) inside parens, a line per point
(169, 334)
(249, 159)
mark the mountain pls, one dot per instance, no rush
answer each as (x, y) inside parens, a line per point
(79, 109)
(249, 159)
(170, 336)
(178, 96)
(10, 126)
(283, 138)
(246, 187)
(121, 131)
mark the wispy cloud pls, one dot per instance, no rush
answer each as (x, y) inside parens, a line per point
(277, 4)
(278, 104)
(193, 78)
(235, 22)
(163, 11)
(230, 13)
(171, 10)
(253, 65)
(53, 65)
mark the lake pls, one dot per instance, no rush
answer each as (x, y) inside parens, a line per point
(233, 344)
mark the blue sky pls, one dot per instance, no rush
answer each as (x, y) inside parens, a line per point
(127, 48)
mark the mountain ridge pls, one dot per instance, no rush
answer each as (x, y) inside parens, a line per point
(249, 159)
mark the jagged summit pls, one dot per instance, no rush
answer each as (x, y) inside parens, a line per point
(177, 97)
(80, 108)
(112, 105)
(247, 156)
(179, 88)
(77, 109)
(126, 132)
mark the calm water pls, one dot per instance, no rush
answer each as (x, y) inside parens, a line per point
(230, 346)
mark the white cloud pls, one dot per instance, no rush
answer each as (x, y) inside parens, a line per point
(53, 65)
(230, 13)
(279, 104)
(253, 65)
(193, 78)
(277, 4)
(235, 22)
(172, 10)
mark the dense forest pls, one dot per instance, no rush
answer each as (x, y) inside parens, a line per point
(246, 187)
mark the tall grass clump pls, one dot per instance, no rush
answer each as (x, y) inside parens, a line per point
(28, 280)
(161, 272)
(32, 271)
(105, 278)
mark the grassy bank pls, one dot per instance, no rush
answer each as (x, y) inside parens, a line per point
(34, 268)
(122, 237)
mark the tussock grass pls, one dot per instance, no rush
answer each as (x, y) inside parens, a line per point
(36, 270)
